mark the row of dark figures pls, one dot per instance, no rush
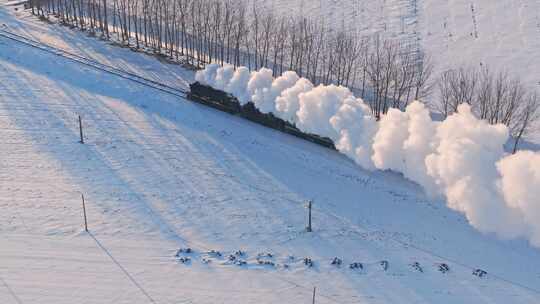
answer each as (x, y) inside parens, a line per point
(184, 256)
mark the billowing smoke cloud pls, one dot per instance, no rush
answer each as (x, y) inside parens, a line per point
(461, 158)
(238, 85)
(463, 166)
(288, 103)
(280, 84)
(223, 77)
(403, 142)
(318, 106)
(356, 128)
(520, 186)
(419, 144)
(208, 75)
(389, 141)
(259, 87)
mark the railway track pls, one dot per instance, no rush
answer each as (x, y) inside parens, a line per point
(220, 103)
(92, 63)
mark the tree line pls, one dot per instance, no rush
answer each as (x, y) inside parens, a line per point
(384, 72)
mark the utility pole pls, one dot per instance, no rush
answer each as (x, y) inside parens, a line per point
(308, 228)
(80, 130)
(314, 290)
(84, 213)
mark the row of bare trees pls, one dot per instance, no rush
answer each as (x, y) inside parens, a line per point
(396, 74)
(494, 96)
(384, 72)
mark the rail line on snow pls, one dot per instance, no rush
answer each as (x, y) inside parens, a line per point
(93, 63)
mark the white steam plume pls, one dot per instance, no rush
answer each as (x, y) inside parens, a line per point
(461, 158)
(259, 87)
(318, 106)
(520, 185)
(389, 141)
(238, 85)
(420, 143)
(463, 167)
(208, 75)
(356, 128)
(280, 84)
(403, 142)
(288, 103)
(223, 77)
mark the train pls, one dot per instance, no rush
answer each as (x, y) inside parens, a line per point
(225, 102)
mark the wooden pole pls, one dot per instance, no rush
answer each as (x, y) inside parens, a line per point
(308, 229)
(84, 213)
(314, 290)
(80, 130)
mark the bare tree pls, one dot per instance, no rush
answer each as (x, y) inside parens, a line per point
(527, 116)
(456, 87)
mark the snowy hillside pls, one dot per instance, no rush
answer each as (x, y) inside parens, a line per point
(504, 34)
(161, 173)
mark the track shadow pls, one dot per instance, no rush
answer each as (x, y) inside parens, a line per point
(119, 265)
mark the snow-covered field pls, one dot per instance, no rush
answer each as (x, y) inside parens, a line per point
(160, 173)
(505, 34)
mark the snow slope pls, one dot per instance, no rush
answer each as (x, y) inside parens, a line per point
(159, 173)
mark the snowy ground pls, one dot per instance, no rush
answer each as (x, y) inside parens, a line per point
(159, 173)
